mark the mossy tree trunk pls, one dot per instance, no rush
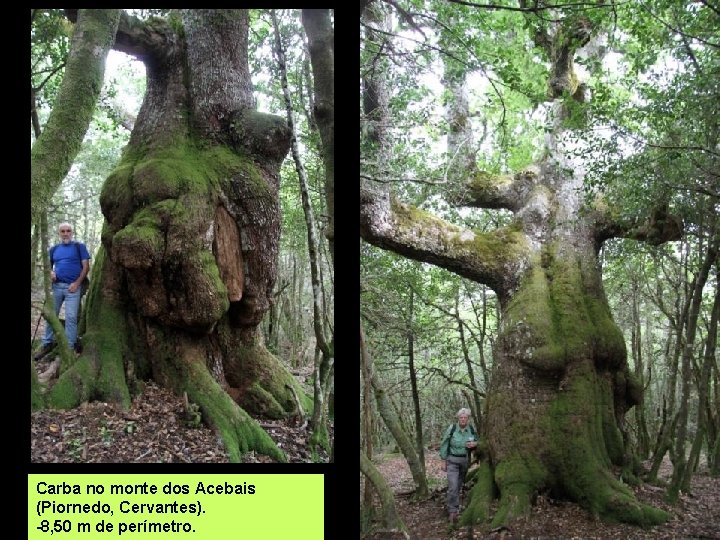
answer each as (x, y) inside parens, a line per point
(190, 240)
(391, 520)
(561, 385)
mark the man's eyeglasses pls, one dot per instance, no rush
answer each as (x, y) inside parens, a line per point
(65, 230)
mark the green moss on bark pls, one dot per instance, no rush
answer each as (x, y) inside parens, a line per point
(494, 254)
(564, 383)
(557, 316)
(481, 496)
(581, 457)
(238, 430)
(483, 182)
(99, 373)
(116, 195)
(518, 478)
(73, 387)
(612, 435)
(267, 392)
(53, 153)
(139, 244)
(320, 437)
(183, 170)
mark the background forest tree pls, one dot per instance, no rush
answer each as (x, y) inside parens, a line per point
(281, 327)
(622, 98)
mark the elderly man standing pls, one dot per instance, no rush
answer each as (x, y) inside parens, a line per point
(70, 263)
(455, 448)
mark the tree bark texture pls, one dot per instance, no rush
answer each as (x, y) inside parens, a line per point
(190, 240)
(321, 42)
(560, 385)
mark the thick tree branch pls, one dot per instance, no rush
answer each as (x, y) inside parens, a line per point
(143, 40)
(497, 191)
(494, 258)
(140, 39)
(659, 228)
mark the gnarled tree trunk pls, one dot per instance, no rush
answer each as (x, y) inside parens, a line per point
(190, 241)
(561, 384)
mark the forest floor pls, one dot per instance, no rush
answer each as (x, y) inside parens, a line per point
(695, 516)
(151, 431)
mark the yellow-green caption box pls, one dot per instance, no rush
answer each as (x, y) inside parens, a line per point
(177, 506)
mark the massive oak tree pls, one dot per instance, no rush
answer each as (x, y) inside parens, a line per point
(190, 239)
(561, 384)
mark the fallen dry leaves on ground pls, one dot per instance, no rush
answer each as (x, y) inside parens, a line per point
(151, 431)
(695, 516)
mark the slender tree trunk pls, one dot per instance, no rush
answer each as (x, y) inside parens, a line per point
(682, 470)
(643, 439)
(323, 366)
(375, 118)
(715, 467)
(480, 339)
(33, 114)
(477, 409)
(367, 425)
(712, 412)
(391, 520)
(665, 440)
(392, 422)
(460, 139)
(703, 420)
(321, 42)
(34, 244)
(294, 316)
(413, 384)
(54, 150)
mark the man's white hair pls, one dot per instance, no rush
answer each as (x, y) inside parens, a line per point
(464, 412)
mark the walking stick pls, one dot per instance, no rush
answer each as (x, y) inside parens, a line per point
(38, 323)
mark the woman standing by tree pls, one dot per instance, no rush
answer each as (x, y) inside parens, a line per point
(457, 444)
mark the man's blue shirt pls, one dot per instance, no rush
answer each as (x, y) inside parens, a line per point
(65, 261)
